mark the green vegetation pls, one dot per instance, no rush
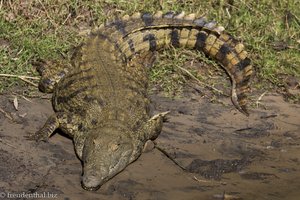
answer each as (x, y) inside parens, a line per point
(47, 29)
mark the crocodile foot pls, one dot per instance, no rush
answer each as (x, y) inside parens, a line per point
(148, 146)
(37, 136)
(45, 132)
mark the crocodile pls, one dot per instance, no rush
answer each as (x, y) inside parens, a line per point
(100, 96)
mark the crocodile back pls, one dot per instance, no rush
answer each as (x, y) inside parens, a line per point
(102, 90)
(109, 82)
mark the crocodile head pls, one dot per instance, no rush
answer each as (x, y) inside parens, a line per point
(104, 155)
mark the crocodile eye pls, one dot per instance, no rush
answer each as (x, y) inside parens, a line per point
(114, 147)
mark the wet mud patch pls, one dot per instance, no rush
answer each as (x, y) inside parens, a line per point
(257, 176)
(225, 154)
(260, 130)
(214, 169)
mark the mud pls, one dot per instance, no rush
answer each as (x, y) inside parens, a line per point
(205, 151)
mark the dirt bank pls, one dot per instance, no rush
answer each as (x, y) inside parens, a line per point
(225, 154)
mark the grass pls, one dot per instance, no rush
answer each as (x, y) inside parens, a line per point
(48, 29)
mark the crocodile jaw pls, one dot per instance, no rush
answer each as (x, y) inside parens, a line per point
(94, 177)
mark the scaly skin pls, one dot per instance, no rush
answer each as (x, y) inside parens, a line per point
(101, 101)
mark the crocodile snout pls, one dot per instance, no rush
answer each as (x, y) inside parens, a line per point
(91, 182)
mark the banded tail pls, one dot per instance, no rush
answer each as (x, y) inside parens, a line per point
(147, 33)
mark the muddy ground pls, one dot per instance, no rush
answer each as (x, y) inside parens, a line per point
(225, 155)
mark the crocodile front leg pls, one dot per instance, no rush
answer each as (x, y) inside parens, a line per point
(67, 123)
(148, 132)
(46, 131)
(154, 125)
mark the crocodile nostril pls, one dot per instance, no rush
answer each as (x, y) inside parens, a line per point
(89, 188)
(90, 182)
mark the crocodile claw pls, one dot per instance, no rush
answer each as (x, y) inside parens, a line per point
(38, 137)
(162, 114)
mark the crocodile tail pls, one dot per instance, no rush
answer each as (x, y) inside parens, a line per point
(147, 32)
